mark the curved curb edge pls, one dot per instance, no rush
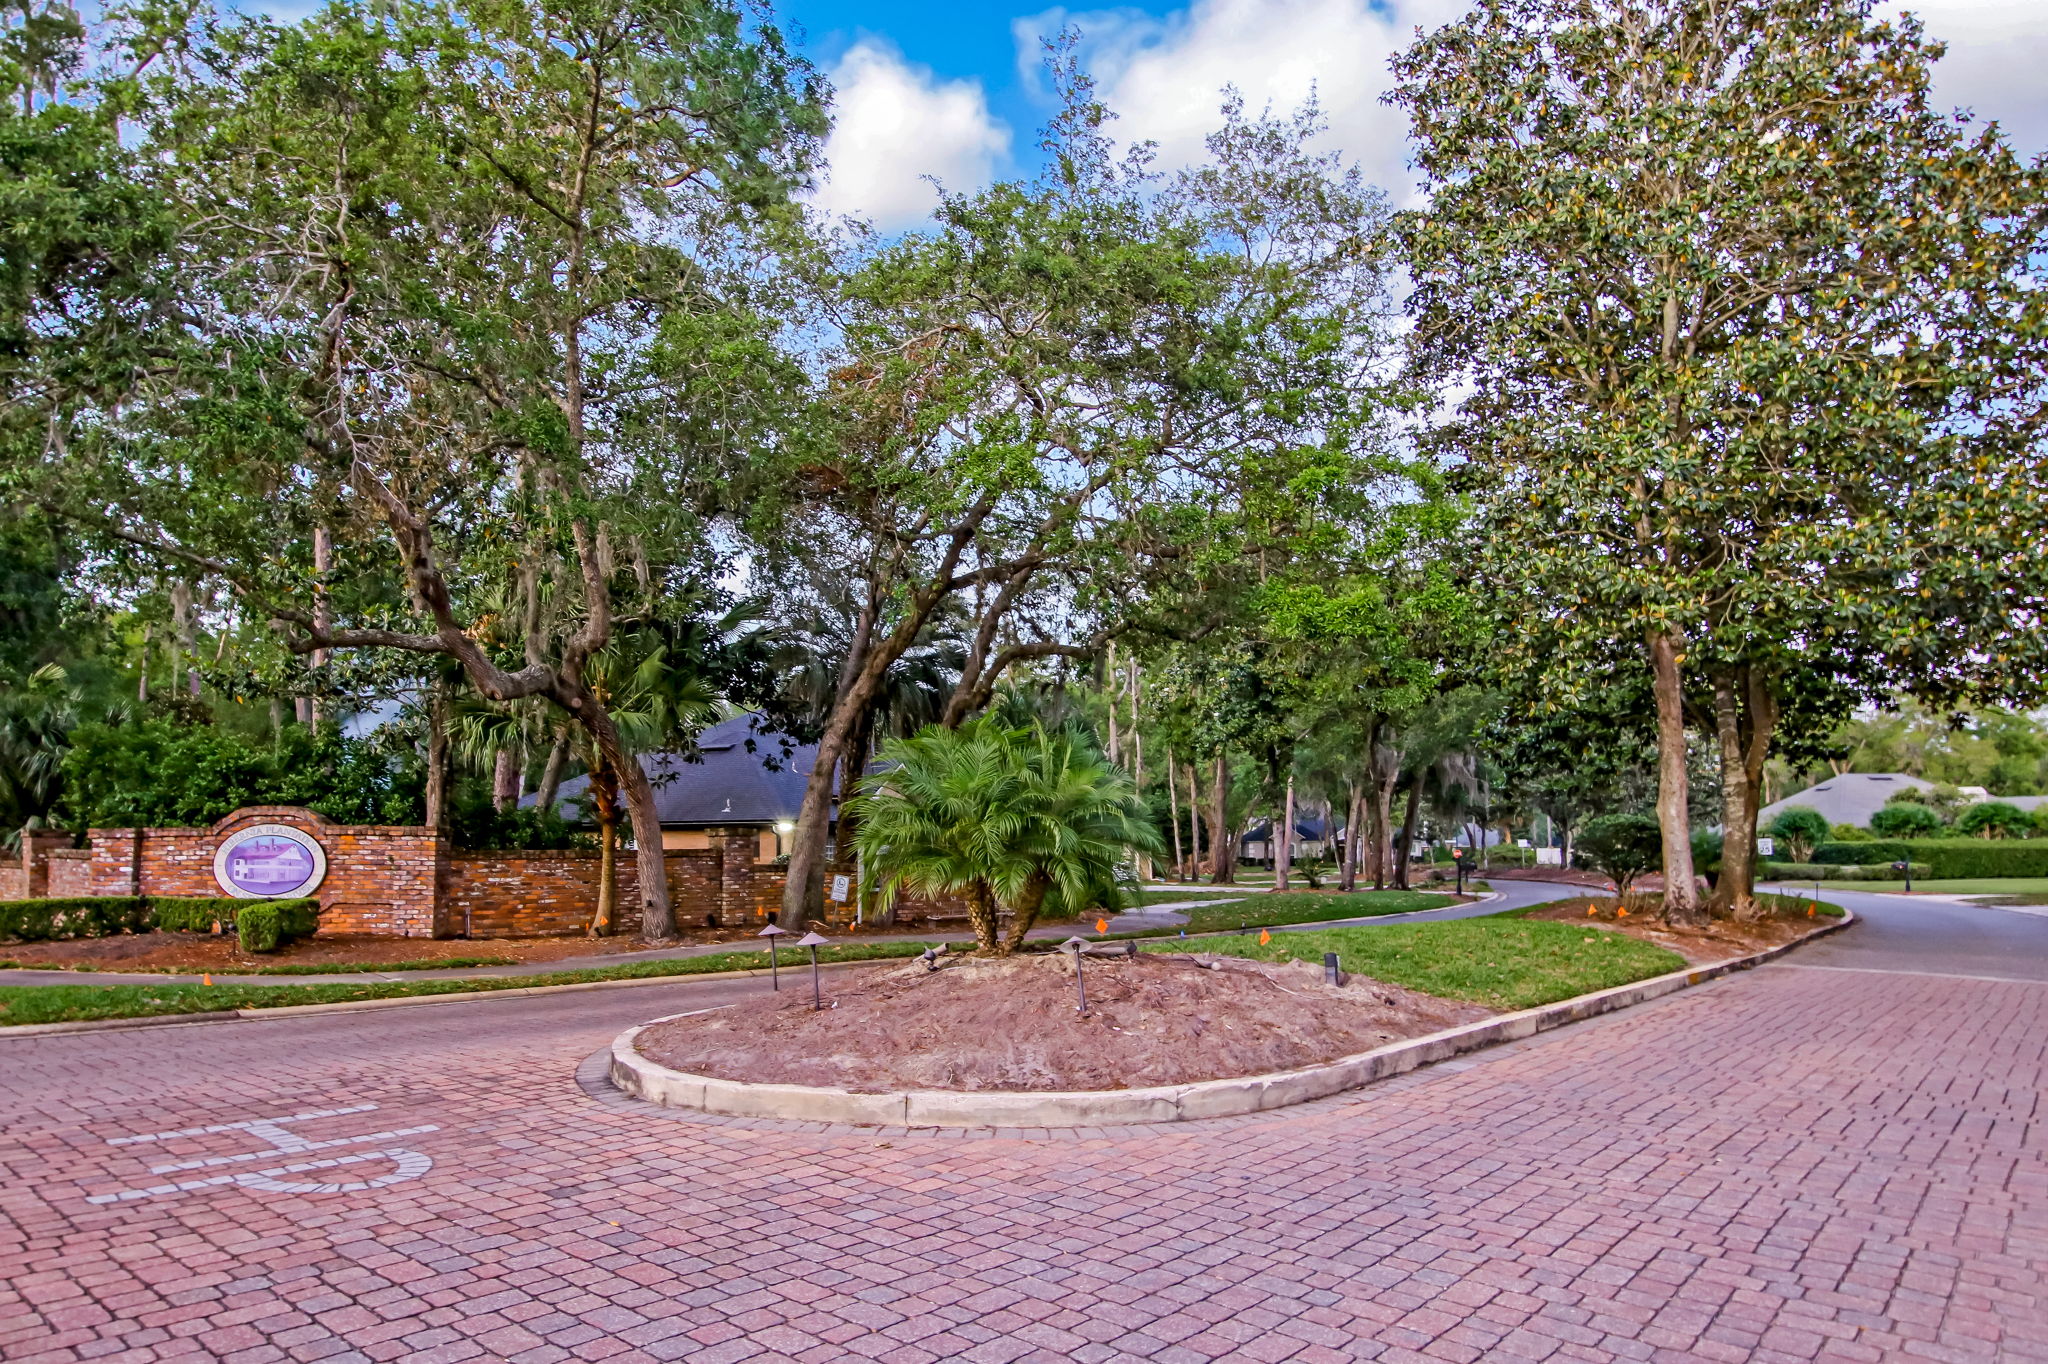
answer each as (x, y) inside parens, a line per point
(644, 1079)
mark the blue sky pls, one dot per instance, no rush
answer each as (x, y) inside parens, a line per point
(949, 89)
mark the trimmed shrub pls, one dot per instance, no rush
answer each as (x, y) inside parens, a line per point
(1801, 828)
(1905, 819)
(1850, 833)
(84, 916)
(195, 915)
(1621, 846)
(1995, 819)
(266, 925)
(1948, 859)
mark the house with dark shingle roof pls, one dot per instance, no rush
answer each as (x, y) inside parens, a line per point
(742, 775)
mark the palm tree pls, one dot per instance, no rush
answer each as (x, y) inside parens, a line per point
(1009, 818)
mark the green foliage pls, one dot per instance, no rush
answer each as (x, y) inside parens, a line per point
(266, 925)
(1848, 833)
(1814, 871)
(1905, 819)
(1298, 907)
(156, 773)
(1706, 852)
(1015, 817)
(73, 917)
(1802, 828)
(1947, 859)
(1995, 819)
(475, 823)
(1621, 846)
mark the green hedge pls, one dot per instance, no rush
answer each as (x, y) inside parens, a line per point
(99, 916)
(1809, 871)
(94, 916)
(266, 925)
(1951, 859)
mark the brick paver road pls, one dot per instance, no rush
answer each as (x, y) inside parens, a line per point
(1835, 1159)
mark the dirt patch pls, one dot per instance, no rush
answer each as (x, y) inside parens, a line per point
(1717, 940)
(1155, 1019)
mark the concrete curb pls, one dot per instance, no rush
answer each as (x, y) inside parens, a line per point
(644, 1079)
(343, 1006)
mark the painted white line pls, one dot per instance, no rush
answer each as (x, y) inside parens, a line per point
(406, 1164)
(248, 1156)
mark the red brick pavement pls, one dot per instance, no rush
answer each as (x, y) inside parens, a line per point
(1791, 1165)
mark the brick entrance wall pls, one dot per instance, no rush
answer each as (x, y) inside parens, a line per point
(395, 881)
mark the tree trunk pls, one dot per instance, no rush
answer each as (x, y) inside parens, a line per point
(1745, 714)
(1173, 814)
(1026, 913)
(1674, 819)
(437, 756)
(981, 914)
(1194, 867)
(1347, 876)
(1383, 828)
(551, 775)
(1408, 832)
(657, 910)
(1283, 856)
(1222, 846)
(323, 565)
(504, 780)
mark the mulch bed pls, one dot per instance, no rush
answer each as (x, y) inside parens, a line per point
(1717, 940)
(1156, 1019)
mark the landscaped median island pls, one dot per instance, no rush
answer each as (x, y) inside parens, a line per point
(1117, 1033)
(1309, 906)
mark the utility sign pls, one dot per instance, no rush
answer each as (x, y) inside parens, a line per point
(1766, 847)
(842, 886)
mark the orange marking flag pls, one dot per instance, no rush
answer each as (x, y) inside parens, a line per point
(1264, 937)
(1102, 925)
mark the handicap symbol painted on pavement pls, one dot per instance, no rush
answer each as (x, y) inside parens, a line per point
(406, 1164)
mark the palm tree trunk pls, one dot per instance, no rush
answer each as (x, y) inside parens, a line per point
(551, 775)
(604, 796)
(1026, 913)
(437, 756)
(504, 780)
(1194, 867)
(981, 915)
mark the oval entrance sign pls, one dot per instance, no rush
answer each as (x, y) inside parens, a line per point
(269, 862)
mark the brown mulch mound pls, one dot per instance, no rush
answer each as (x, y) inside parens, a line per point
(1717, 940)
(1012, 1024)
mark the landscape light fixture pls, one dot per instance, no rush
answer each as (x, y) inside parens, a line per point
(1330, 968)
(931, 957)
(1077, 946)
(814, 940)
(771, 933)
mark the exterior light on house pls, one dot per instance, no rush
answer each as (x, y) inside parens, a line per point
(785, 827)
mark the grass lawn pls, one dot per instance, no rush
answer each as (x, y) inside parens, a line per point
(1309, 906)
(2013, 885)
(1499, 962)
(69, 1003)
(1180, 893)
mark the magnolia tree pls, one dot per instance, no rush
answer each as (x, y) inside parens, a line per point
(1752, 339)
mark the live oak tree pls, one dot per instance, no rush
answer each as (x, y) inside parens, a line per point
(1753, 337)
(1040, 399)
(477, 328)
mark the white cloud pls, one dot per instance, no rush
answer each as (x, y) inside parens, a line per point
(893, 125)
(1997, 51)
(1163, 75)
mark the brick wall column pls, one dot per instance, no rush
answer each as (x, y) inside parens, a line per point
(35, 861)
(116, 861)
(736, 849)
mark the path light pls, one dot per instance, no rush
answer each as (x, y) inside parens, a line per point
(771, 933)
(931, 957)
(1329, 968)
(814, 940)
(1077, 946)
